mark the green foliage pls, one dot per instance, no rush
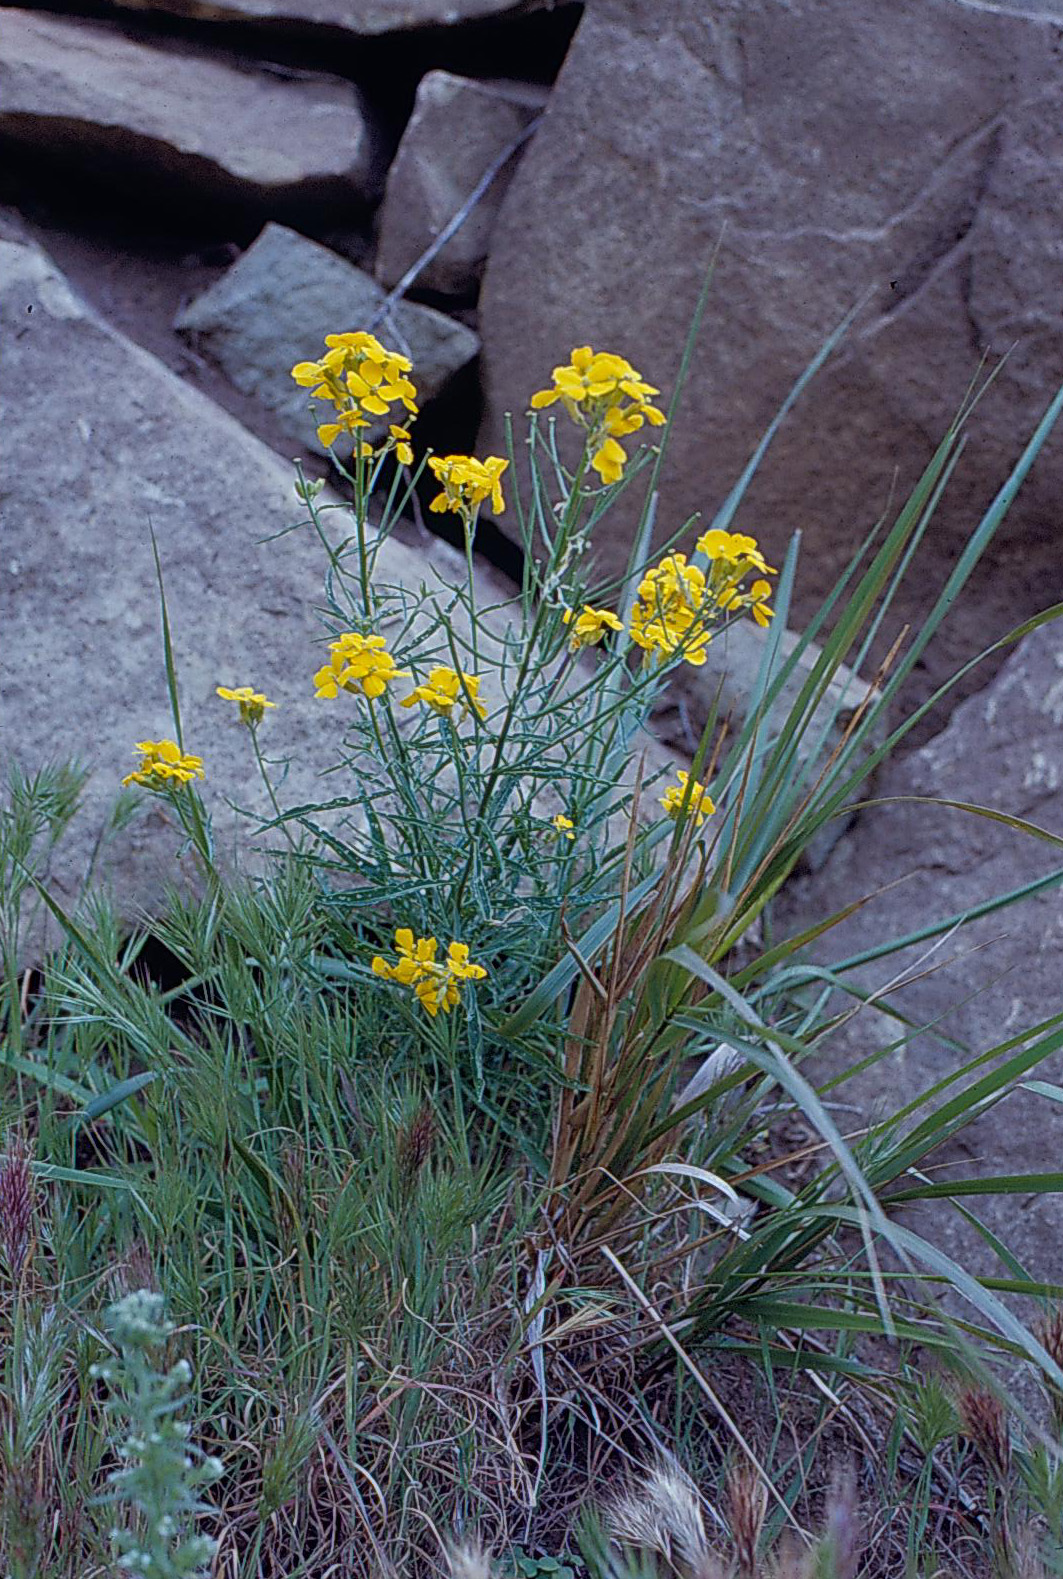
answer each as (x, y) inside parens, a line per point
(161, 1469)
(449, 1270)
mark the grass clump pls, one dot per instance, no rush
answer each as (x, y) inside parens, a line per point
(475, 1149)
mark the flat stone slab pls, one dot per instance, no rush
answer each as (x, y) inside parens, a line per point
(159, 120)
(276, 304)
(82, 672)
(459, 128)
(360, 18)
(989, 981)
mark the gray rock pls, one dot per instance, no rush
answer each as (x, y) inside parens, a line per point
(153, 118)
(130, 445)
(274, 307)
(83, 671)
(459, 127)
(822, 155)
(359, 18)
(989, 981)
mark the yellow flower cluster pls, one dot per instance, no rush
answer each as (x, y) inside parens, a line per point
(444, 689)
(668, 617)
(732, 556)
(436, 985)
(467, 482)
(363, 664)
(678, 603)
(252, 703)
(358, 663)
(605, 395)
(699, 804)
(164, 765)
(564, 826)
(362, 380)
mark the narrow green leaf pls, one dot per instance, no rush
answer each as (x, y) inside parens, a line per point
(119, 1093)
(167, 643)
(992, 1184)
(45, 1076)
(1020, 824)
(86, 1176)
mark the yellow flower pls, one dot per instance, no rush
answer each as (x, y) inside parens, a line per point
(164, 765)
(608, 460)
(467, 482)
(348, 421)
(589, 626)
(673, 584)
(357, 663)
(252, 703)
(403, 448)
(678, 634)
(605, 395)
(436, 985)
(564, 825)
(670, 615)
(732, 556)
(445, 688)
(361, 379)
(734, 547)
(759, 593)
(699, 804)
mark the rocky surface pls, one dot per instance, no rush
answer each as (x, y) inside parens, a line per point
(824, 146)
(154, 115)
(361, 18)
(83, 671)
(274, 307)
(998, 976)
(458, 130)
(83, 674)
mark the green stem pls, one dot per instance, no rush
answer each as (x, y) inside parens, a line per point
(468, 522)
(269, 788)
(360, 502)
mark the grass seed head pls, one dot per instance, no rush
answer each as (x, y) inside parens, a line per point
(747, 1505)
(18, 1201)
(984, 1419)
(469, 1560)
(663, 1515)
(414, 1143)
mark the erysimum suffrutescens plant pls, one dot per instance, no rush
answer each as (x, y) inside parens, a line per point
(463, 1126)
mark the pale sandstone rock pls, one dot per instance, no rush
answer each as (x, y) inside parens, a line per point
(1001, 974)
(82, 664)
(458, 129)
(276, 304)
(357, 18)
(826, 145)
(184, 123)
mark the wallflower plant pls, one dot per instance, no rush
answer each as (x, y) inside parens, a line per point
(464, 1124)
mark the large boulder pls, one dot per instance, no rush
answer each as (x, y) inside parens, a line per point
(823, 146)
(276, 304)
(989, 981)
(358, 18)
(458, 130)
(83, 673)
(174, 125)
